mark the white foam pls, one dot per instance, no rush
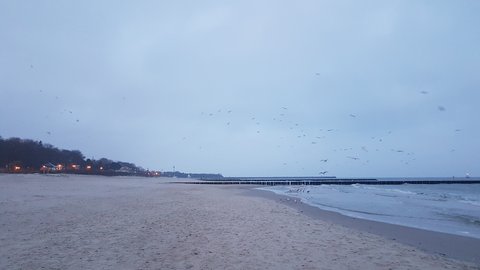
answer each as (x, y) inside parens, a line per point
(431, 207)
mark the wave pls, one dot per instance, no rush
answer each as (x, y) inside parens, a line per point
(446, 208)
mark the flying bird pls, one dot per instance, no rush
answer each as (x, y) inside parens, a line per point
(354, 158)
(441, 108)
(424, 92)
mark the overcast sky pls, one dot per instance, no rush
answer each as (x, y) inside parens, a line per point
(249, 88)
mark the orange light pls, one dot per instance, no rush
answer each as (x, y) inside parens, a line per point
(89, 167)
(17, 168)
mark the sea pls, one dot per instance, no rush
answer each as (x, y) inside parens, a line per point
(448, 208)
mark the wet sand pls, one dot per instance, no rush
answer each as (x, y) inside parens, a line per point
(443, 244)
(92, 222)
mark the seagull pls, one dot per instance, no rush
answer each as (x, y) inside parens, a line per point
(354, 158)
(353, 115)
(285, 108)
(324, 160)
(424, 92)
(323, 173)
(441, 108)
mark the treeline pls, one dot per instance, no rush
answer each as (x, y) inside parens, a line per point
(24, 155)
(29, 154)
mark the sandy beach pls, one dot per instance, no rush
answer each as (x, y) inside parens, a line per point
(93, 222)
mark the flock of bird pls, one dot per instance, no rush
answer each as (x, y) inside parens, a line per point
(282, 117)
(351, 154)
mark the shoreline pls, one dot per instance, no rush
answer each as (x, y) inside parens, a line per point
(438, 243)
(90, 222)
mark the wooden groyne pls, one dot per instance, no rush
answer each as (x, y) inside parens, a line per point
(333, 181)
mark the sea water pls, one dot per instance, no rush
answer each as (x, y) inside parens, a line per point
(449, 208)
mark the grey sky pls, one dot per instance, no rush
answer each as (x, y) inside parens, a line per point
(378, 88)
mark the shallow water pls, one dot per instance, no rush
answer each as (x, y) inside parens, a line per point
(448, 208)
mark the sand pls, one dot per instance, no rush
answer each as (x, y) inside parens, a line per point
(91, 222)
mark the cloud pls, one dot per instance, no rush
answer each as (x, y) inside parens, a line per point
(143, 80)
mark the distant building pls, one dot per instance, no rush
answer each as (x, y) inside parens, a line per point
(48, 168)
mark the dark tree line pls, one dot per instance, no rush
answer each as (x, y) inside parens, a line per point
(30, 153)
(30, 156)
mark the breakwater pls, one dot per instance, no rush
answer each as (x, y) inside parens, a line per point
(275, 181)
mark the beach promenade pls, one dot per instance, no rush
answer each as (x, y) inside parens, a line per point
(93, 222)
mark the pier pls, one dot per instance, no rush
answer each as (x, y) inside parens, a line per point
(302, 181)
